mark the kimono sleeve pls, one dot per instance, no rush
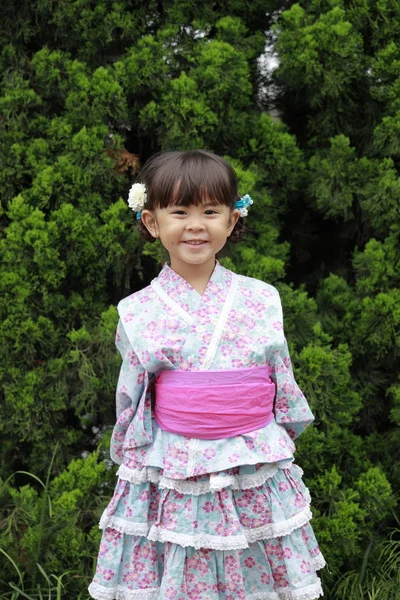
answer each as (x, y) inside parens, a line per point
(291, 407)
(131, 376)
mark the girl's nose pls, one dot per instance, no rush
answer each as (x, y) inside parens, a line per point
(195, 225)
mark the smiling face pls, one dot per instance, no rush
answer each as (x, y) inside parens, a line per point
(190, 203)
(192, 234)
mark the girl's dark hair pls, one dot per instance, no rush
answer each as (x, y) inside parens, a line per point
(189, 177)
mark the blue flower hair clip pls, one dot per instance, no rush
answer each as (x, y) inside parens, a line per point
(243, 204)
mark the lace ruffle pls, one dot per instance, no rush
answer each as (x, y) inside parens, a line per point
(270, 510)
(213, 542)
(279, 529)
(214, 482)
(101, 592)
(318, 562)
(120, 593)
(156, 533)
(123, 526)
(307, 593)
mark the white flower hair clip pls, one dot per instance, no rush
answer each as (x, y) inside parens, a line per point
(137, 198)
(243, 204)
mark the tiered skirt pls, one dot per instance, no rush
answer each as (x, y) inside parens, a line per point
(242, 533)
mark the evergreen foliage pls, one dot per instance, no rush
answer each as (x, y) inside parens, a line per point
(316, 143)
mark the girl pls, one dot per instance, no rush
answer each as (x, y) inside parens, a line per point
(209, 504)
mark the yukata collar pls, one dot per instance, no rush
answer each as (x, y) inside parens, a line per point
(187, 303)
(177, 287)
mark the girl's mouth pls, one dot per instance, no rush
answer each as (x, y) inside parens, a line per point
(195, 242)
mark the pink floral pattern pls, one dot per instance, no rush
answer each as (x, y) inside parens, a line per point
(220, 519)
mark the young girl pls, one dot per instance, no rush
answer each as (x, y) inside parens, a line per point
(209, 504)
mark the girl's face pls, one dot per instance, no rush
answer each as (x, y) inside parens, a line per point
(192, 235)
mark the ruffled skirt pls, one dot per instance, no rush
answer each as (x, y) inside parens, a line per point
(239, 533)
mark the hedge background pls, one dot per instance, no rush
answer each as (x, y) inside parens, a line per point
(86, 88)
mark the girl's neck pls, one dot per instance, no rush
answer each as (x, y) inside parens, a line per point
(197, 276)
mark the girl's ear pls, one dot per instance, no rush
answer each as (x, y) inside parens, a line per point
(149, 221)
(234, 218)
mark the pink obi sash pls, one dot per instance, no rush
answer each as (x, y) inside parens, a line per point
(213, 405)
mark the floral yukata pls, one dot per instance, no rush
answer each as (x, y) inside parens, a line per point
(205, 519)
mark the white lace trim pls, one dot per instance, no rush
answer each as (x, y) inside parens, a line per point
(171, 302)
(219, 482)
(306, 593)
(193, 448)
(121, 593)
(122, 525)
(153, 474)
(137, 476)
(217, 333)
(318, 562)
(233, 542)
(263, 596)
(214, 542)
(272, 530)
(101, 592)
(215, 483)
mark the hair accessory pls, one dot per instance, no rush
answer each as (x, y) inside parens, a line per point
(242, 205)
(137, 198)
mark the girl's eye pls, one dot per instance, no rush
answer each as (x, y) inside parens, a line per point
(210, 211)
(178, 212)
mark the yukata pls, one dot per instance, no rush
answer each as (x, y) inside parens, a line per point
(205, 519)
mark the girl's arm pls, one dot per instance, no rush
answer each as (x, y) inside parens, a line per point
(131, 376)
(130, 387)
(291, 408)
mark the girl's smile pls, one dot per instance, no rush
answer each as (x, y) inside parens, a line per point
(195, 242)
(192, 234)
